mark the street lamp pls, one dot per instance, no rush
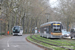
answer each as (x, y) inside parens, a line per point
(0, 8)
(47, 16)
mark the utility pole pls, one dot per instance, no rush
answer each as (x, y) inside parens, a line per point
(0, 15)
(47, 19)
(0, 6)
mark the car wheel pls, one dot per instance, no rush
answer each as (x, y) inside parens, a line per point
(21, 35)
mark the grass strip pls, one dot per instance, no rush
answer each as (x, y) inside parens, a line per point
(52, 42)
(64, 43)
(50, 46)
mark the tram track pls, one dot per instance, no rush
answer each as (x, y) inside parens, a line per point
(48, 40)
(54, 41)
(50, 43)
(68, 39)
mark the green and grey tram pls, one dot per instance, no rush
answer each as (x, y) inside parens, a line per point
(51, 29)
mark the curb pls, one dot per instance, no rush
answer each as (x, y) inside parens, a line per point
(41, 46)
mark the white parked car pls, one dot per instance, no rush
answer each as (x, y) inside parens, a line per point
(65, 34)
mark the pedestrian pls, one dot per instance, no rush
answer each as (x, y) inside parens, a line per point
(33, 31)
(8, 32)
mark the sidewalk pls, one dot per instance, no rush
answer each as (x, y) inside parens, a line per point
(3, 36)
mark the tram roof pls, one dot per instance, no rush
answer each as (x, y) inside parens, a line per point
(50, 23)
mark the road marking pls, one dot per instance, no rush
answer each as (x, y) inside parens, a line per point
(4, 49)
(8, 42)
(15, 45)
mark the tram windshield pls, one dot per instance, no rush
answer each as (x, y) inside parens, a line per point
(56, 30)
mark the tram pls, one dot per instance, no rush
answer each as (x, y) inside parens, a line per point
(51, 29)
(17, 30)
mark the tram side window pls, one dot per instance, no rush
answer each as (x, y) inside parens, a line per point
(42, 30)
(47, 30)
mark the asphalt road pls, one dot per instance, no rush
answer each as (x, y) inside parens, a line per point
(17, 43)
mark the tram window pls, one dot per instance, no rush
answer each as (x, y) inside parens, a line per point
(50, 29)
(47, 30)
(42, 30)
